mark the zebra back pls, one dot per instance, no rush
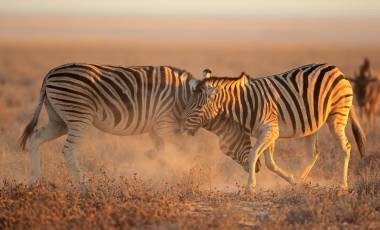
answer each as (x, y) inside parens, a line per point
(120, 100)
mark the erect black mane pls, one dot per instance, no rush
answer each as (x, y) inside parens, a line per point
(181, 71)
(216, 78)
(224, 78)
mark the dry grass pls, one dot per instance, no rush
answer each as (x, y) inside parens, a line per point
(131, 202)
(194, 188)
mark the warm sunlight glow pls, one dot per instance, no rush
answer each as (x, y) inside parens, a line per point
(189, 114)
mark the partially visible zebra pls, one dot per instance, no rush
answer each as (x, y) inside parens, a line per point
(289, 105)
(367, 92)
(120, 101)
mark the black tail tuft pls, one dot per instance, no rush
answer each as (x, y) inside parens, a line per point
(32, 124)
(357, 130)
(27, 132)
(359, 138)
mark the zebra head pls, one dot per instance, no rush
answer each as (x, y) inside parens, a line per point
(201, 107)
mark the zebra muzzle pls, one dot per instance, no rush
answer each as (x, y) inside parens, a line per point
(191, 132)
(183, 130)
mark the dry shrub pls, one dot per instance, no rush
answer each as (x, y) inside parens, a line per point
(104, 202)
(368, 182)
(311, 206)
(318, 207)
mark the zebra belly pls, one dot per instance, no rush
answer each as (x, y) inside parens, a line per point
(122, 130)
(286, 130)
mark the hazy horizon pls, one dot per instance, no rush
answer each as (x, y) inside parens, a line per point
(349, 9)
(191, 29)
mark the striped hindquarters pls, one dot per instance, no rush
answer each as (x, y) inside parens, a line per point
(303, 98)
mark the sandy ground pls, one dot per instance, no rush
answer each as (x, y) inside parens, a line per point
(192, 188)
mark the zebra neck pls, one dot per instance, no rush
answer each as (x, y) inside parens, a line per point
(233, 101)
(184, 91)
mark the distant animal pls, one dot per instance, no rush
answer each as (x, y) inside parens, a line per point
(121, 101)
(293, 104)
(367, 91)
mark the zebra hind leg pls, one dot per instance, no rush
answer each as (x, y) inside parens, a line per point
(54, 129)
(337, 128)
(312, 153)
(51, 131)
(265, 139)
(70, 151)
(76, 131)
(272, 165)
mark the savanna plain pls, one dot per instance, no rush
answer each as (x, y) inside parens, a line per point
(194, 186)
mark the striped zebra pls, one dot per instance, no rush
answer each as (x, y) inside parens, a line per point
(293, 104)
(119, 101)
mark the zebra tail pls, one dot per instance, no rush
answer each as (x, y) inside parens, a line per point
(32, 124)
(358, 132)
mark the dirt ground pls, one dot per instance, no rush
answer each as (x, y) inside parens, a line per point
(193, 187)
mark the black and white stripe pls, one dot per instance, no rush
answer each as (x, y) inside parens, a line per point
(118, 100)
(287, 105)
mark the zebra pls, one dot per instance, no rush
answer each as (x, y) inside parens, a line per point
(293, 104)
(117, 100)
(367, 91)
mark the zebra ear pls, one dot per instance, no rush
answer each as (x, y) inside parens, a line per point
(206, 73)
(244, 78)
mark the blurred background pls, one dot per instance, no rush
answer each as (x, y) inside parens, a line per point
(258, 37)
(226, 36)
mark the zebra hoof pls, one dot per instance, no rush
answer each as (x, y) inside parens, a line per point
(343, 187)
(33, 182)
(303, 183)
(341, 190)
(291, 180)
(250, 189)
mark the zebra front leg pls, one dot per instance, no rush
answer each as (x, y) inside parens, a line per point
(271, 165)
(159, 148)
(337, 128)
(70, 155)
(76, 130)
(312, 153)
(264, 140)
(46, 133)
(158, 143)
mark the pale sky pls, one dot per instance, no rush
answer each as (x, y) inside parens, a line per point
(254, 8)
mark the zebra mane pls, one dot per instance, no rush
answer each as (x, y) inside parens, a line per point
(229, 79)
(302, 67)
(213, 78)
(175, 69)
(224, 79)
(181, 71)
